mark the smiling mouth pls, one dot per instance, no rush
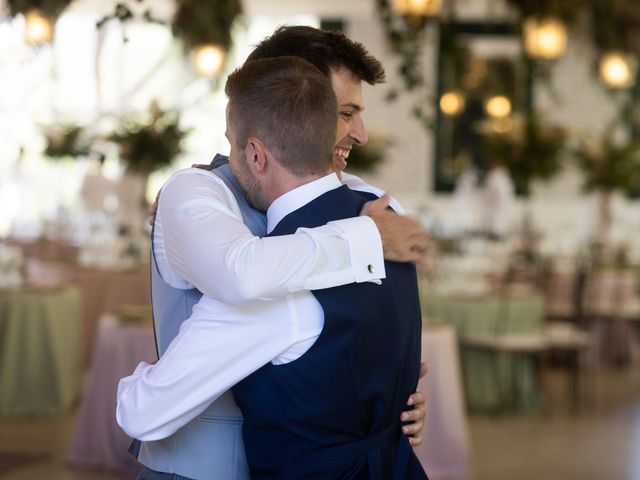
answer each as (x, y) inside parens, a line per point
(342, 153)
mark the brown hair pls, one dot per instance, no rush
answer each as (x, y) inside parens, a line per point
(324, 49)
(290, 106)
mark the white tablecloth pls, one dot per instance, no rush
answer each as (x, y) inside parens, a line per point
(444, 452)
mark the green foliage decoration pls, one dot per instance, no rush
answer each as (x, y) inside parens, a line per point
(530, 150)
(568, 10)
(368, 157)
(149, 146)
(67, 140)
(608, 165)
(407, 38)
(616, 25)
(199, 22)
(49, 8)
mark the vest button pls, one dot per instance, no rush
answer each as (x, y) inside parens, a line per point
(371, 269)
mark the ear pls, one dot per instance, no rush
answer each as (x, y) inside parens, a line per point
(257, 155)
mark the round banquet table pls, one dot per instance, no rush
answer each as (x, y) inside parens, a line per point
(102, 290)
(40, 350)
(494, 315)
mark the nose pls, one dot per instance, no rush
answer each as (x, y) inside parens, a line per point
(359, 131)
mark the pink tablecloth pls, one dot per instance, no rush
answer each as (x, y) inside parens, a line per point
(98, 441)
(444, 452)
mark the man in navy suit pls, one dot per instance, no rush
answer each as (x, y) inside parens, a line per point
(333, 410)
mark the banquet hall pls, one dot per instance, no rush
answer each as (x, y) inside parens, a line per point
(510, 129)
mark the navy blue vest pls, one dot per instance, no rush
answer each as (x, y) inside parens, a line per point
(334, 412)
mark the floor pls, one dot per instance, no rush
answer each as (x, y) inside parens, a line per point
(601, 442)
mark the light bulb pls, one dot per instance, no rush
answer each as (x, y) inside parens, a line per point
(544, 38)
(38, 28)
(618, 70)
(452, 103)
(209, 59)
(498, 106)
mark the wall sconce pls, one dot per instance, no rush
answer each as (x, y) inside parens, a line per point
(417, 8)
(618, 70)
(452, 103)
(544, 38)
(498, 106)
(38, 29)
(208, 60)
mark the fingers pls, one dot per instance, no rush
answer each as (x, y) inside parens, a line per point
(413, 429)
(416, 440)
(376, 206)
(416, 398)
(414, 418)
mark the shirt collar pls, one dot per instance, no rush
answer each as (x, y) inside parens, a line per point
(298, 197)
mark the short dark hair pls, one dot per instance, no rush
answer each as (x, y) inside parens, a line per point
(290, 106)
(324, 49)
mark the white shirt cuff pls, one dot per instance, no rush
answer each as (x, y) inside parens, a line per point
(365, 245)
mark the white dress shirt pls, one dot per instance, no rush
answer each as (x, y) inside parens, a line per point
(221, 343)
(356, 183)
(200, 240)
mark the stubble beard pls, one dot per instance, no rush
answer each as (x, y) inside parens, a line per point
(251, 186)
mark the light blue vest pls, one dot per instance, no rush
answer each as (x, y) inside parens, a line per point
(210, 446)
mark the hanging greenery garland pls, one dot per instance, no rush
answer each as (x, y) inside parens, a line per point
(407, 37)
(200, 22)
(49, 8)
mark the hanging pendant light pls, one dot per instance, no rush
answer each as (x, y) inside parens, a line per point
(498, 106)
(417, 8)
(208, 59)
(544, 38)
(38, 28)
(452, 103)
(618, 70)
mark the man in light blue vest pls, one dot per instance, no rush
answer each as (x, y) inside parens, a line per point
(210, 446)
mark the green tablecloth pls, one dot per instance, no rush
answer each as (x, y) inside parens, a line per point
(40, 351)
(492, 315)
